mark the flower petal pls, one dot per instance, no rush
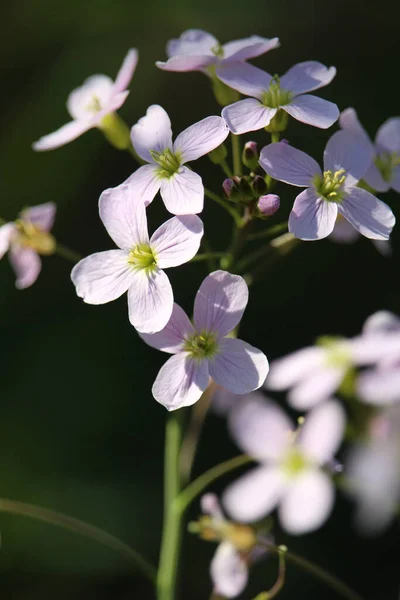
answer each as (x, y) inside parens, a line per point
(181, 64)
(192, 42)
(145, 183)
(152, 132)
(348, 121)
(287, 164)
(229, 571)
(126, 71)
(220, 302)
(317, 387)
(247, 115)
(248, 48)
(379, 387)
(201, 138)
(124, 216)
(260, 428)
(294, 367)
(67, 133)
(239, 367)
(388, 135)
(6, 233)
(347, 151)
(322, 432)
(171, 338)
(395, 180)
(344, 232)
(313, 111)
(312, 217)
(383, 322)
(150, 301)
(307, 76)
(181, 381)
(177, 240)
(26, 264)
(254, 495)
(245, 78)
(371, 217)
(102, 277)
(307, 503)
(42, 215)
(375, 180)
(183, 193)
(98, 87)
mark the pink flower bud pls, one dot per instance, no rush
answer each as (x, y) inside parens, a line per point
(250, 155)
(269, 204)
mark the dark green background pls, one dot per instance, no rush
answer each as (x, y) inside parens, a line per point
(79, 430)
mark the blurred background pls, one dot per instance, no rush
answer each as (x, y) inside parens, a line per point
(80, 432)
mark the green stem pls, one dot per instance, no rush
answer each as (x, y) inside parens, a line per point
(207, 256)
(226, 169)
(172, 527)
(67, 253)
(194, 489)
(230, 209)
(266, 233)
(95, 533)
(279, 245)
(236, 155)
(275, 137)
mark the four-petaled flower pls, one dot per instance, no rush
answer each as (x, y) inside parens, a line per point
(203, 350)
(137, 266)
(344, 233)
(291, 472)
(181, 189)
(384, 170)
(331, 192)
(26, 239)
(90, 104)
(197, 50)
(272, 95)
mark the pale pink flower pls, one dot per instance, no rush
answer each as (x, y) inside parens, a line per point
(26, 239)
(291, 475)
(89, 104)
(205, 350)
(181, 188)
(137, 266)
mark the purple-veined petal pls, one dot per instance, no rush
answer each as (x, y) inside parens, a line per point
(150, 300)
(255, 494)
(145, 182)
(238, 367)
(182, 64)
(67, 133)
(200, 138)
(322, 432)
(371, 217)
(181, 381)
(307, 76)
(312, 217)
(245, 78)
(248, 48)
(171, 338)
(220, 302)
(247, 115)
(126, 71)
(177, 240)
(294, 367)
(124, 216)
(41, 216)
(316, 387)
(26, 264)
(347, 151)
(307, 503)
(379, 387)
(102, 277)
(348, 121)
(260, 428)
(192, 42)
(229, 571)
(395, 180)
(95, 92)
(344, 232)
(388, 135)
(313, 111)
(375, 180)
(152, 132)
(183, 193)
(287, 164)
(6, 233)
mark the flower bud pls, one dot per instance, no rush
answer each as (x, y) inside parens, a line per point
(259, 186)
(218, 155)
(268, 205)
(250, 155)
(230, 188)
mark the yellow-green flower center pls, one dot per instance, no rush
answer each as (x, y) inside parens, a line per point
(218, 51)
(386, 162)
(330, 185)
(294, 462)
(169, 162)
(337, 354)
(275, 96)
(201, 345)
(142, 257)
(32, 237)
(94, 105)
